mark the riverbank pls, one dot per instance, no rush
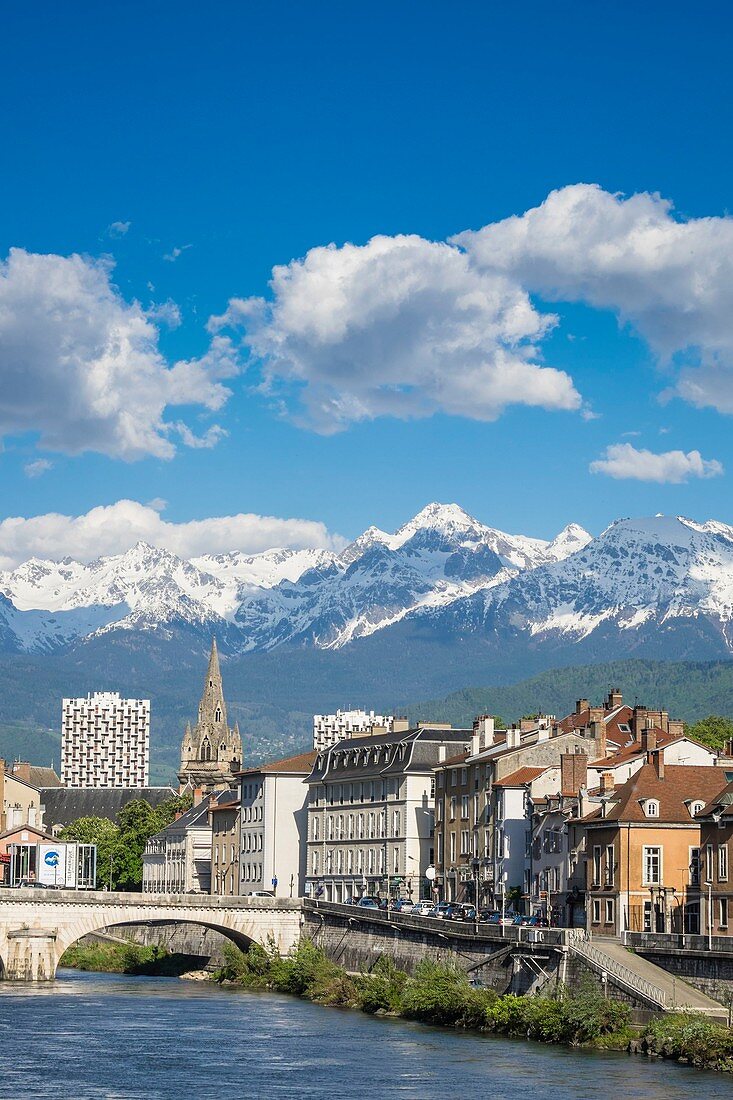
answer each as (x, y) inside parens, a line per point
(442, 995)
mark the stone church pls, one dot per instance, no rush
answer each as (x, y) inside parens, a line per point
(211, 752)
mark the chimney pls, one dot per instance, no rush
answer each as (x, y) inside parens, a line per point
(513, 737)
(198, 794)
(638, 722)
(527, 724)
(22, 769)
(648, 739)
(676, 727)
(608, 782)
(598, 733)
(658, 761)
(614, 699)
(581, 705)
(483, 733)
(573, 772)
(400, 725)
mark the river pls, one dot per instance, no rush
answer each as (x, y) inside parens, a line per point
(114, 1037)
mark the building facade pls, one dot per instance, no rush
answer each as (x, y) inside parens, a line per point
(716, 849)
(371, 813)
(330, 728)
(211, 751)
(224, 815)
(273, 826)
(482, 826)
(177, 860)
(105, 741)
(20, 801)
(643, 862)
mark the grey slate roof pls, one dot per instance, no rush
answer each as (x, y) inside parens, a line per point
(65, 804)
(196, 817)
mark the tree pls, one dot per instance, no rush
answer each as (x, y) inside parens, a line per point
(714, 731)
(120, 845)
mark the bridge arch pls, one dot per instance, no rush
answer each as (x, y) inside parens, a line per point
(37, 927)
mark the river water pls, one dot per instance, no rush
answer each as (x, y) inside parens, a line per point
(115, 1037)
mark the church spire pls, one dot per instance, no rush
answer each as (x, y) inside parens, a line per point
(212, 708)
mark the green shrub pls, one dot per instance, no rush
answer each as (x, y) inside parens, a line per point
(440, 994)
(381, 990)
(689, 1035)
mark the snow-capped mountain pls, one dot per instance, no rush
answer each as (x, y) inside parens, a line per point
(637, 576)
(263, 600)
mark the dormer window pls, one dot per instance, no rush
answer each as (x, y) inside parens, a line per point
(651, 807)
(696, 807)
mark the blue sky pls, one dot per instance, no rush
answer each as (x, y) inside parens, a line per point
(241, 136)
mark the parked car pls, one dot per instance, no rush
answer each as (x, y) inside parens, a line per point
(401, 905)
(538, 921)
(422, 908)
(460, 911)
(260, 894)
(439, 910)
(488, 916)
(368, 903)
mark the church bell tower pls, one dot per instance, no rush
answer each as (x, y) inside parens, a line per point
(212, 751)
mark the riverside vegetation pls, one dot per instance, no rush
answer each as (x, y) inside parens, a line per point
(441, 994)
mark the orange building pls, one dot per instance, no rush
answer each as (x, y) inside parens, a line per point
(643, 848)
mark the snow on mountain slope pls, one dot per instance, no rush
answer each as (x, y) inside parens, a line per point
(311, 596)
(636, 572)
(263, 570)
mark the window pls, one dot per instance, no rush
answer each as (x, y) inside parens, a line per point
(609, 911)
(694, 866)
(723, 912)
(453, 847)
(695, 808)
(596, 865)
(651, 807)
(464, 776)
(453, 803)
(652, 858)
(708, 863)
(596, 911)
(351, 826)
(439, 810)
(315, 863)
(453, 777)
(722, 863)
(440, 849)
(316, 828)
(396, 861)
(395, 823)
(610, 865)
(465, 842)
(464, 807)
(329, 827)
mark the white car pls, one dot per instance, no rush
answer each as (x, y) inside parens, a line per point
(422, 908)
(260, 894)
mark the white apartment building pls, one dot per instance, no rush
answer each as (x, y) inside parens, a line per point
(370, 813)
(273, 826)
(330, 728)
(105, 741)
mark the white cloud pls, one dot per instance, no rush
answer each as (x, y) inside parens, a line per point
(622, 460)
(402, 327)
(115, 528)
(174, 253)
(672, 280)
(37, 468)
(81, 366)
(118, 229)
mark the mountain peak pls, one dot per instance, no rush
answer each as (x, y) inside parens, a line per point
(438, 517)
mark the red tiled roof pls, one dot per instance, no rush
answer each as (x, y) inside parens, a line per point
(682, 783)
(522, 776)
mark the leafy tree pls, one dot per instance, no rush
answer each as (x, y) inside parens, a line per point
(715, 731)
(120, 845)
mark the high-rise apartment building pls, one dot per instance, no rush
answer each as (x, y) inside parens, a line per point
(105, 741)
(330, 728)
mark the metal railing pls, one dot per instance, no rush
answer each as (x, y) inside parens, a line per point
(578, 942)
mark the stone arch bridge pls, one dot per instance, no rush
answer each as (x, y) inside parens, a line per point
(37, 926)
